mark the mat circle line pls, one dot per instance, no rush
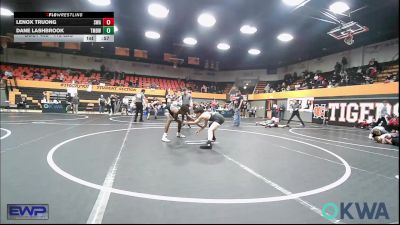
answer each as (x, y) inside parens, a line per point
(8, 133)
(66, 175)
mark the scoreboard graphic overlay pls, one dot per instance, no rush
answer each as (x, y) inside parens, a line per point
(64, 26)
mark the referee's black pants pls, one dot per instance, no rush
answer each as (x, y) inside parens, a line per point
(139, 110)
(295, 113)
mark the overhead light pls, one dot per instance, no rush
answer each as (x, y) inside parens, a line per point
(158, 10)
(115, 28)
(293, 2)
(254, 51)
(223, 46)
(245, 87)
(100, 2)
(6, 12)
(102, 47)
(152, 35)
(285, 37)
(247, 29)
(247, 84)
(190, 41)
(206, 20)
(339, 7)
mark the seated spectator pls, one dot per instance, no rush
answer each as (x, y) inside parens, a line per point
(22, 103)
(283, 86)
(44, 100)
(8, 74)
(37, 75)
(393, 123)
(373, 69)
(61, 78)
(363, 124)
(203, 89)
(288, 88)
(267, 88)
(392, 78)
(338, 68)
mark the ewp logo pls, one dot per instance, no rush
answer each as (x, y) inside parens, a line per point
(27, 212)
(375, 211)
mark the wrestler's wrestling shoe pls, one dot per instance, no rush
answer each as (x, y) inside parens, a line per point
(165, 139)
(179, 135)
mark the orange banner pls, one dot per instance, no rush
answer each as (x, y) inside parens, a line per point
(168, 56)
(86, 87)
(193, 60)
(140, 54)
(50, 44)
(108, 89)
(121, 51)
(72, 45)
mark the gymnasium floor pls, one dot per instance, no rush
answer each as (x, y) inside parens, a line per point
(96, 168)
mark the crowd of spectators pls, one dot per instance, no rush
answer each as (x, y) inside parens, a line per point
(340, 76)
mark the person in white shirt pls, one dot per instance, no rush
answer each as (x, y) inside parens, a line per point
(8, 74)
(140, 101)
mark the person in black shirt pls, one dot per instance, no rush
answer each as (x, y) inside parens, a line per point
(113, 100)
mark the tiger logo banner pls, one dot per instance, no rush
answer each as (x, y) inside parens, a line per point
(319, 111)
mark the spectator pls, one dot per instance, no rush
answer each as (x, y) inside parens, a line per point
(102, 69)
(393, 123)
(75, 104)
(61, 78)
(338, 68)
(267, 88)
(102, 104)
(37, 75)
(8, 74)
(203, 89)
(344, 64)
(22, 103)
(383, 117)
(237, 105)
(373, 69)
(392, 78)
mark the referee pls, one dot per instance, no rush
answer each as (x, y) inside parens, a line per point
(140, 101)
(296, 106)
(186, 101)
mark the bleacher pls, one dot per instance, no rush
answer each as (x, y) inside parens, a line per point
(27, 72)
(260, 87)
